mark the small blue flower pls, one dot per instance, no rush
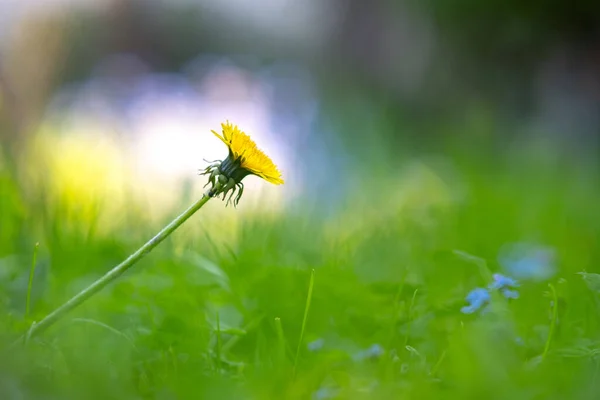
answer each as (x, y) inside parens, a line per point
(375, 351)
(504, 284)
(325, 393)
(477, 298)
(528, 261)
(316, 345)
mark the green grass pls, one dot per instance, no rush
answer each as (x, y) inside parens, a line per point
(311, 285)
(203, 317)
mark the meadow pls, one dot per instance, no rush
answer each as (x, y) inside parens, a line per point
(356, 296)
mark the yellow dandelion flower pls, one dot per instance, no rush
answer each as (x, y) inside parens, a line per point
(245, 158)
(251, 157)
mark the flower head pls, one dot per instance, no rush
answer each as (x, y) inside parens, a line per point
(375, 351)
(325, 393)
(251, 158)
(480, 297)
(316, 345)
(244, 158)
(501, 281)
(477, 298)
(504, 284)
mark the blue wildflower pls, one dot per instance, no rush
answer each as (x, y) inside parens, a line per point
(504, 284)
(316, 345)
(528, 261)
(501, 281)
(375, 351)
(477, 298)
(325, 393)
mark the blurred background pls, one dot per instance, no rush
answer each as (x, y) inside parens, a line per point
(147, 80)
(405, 130)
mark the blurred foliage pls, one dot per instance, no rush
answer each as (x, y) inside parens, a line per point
(513, 34)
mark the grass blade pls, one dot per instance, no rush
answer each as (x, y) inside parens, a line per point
(306, 310)
(552, 322)
(280, 341)
(107, 327)
(410, 317)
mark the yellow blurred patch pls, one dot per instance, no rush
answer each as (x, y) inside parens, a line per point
(81, 174)
(92, 178)
(414, 191)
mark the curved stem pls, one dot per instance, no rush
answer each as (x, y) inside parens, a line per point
(311, 284)
(114, 273)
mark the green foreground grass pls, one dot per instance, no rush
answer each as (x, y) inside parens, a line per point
(214, 314)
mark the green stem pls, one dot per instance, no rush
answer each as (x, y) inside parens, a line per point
(114, 273)
(281, 347)
(409, 316)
